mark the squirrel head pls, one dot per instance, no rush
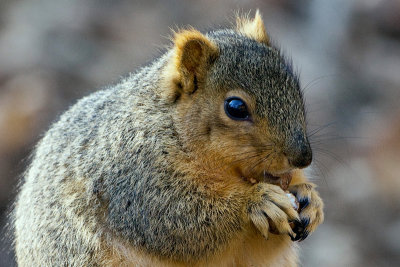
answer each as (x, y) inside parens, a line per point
(237, 103)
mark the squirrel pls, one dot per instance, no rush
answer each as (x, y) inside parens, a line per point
(176, 165)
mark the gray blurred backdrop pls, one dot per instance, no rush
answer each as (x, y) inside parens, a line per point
(53, 52)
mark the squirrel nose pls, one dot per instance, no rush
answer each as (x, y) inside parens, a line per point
(300, 155)
(302, 158)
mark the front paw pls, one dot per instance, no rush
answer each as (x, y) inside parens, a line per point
(269, 207)
(310, 210)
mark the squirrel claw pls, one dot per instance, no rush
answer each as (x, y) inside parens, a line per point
(303, 203)
(300, 230)
(300, 237)
(311, 210)
(271, 211)
(293, 238)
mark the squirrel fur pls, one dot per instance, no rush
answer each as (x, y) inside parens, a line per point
(152, 171)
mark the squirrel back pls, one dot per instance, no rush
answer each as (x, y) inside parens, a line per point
(160, 168)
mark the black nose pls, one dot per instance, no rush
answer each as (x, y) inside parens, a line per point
(302, 158)
(300, 154)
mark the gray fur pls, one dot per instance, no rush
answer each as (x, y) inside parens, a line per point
(264, 73)
(104, 170)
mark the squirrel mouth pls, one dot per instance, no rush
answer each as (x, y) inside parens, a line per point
(267, 177)
(282, 180)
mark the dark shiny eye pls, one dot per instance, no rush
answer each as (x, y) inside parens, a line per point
(236, 109)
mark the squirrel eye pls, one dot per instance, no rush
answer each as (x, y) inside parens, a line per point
(236, 109)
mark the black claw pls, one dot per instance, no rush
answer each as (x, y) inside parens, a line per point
(305, 222)
(304, 235)
(304, 203)
(297, 222)
(298, 237)
(291, 237)
(298, 227)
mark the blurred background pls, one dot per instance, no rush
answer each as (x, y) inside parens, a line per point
(348, 56)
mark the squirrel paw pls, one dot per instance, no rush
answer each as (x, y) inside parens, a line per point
(310, 210)
(269, 208)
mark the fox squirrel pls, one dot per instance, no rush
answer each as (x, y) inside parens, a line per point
(176, 165)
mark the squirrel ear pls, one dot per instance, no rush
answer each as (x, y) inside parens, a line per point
(253, 28)
(192, 54)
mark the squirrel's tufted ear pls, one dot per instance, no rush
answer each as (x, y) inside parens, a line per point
(253, 28)
(193, 53)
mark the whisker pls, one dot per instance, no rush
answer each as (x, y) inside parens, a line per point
(332, 155)
(317, 130)
(239, 154)
(314, 82)
(239, 160)
(263, 159)
(322, 169)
